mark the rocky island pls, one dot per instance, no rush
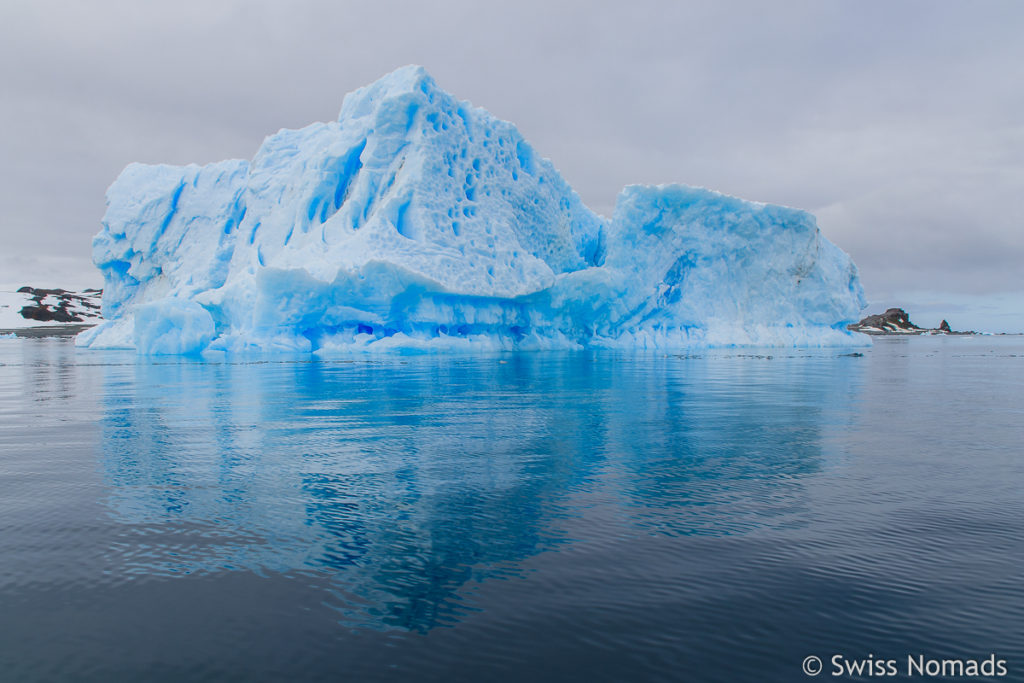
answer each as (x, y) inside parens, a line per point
(39, 309)
(896, 321)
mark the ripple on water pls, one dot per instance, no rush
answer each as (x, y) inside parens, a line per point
(712, 516)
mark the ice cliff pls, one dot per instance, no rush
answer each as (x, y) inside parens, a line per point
(416, 221)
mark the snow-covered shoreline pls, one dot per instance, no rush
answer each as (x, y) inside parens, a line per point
(30, 307)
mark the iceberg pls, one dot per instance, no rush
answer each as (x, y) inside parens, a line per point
(417, 222)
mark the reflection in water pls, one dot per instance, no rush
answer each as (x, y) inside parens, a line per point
(597, 517)
(406, 482)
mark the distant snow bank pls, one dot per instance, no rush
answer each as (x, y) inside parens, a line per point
(416, 222)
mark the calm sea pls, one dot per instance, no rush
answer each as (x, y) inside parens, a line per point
(718, 516)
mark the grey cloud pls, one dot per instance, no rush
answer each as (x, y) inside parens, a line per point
(897, 123)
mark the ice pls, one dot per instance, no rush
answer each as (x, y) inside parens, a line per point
(417, 222)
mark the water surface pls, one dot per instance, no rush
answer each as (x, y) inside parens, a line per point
(716, 516)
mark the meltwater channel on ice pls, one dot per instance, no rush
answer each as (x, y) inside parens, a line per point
(418, 222)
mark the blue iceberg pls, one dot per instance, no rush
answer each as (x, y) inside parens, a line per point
(418, 222)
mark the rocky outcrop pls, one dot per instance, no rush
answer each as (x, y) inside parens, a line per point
(61, 306)
(896, 321)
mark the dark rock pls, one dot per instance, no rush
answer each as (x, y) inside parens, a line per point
(44, 314)
(60, 305)
(895, 321)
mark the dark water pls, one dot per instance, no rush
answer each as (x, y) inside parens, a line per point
(538, 517)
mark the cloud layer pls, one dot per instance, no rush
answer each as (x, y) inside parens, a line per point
(896, 123)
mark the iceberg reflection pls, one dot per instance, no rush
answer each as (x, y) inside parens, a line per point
(400, 484)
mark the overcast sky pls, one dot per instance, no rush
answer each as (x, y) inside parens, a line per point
(899, 124)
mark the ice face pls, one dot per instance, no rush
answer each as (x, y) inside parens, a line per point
(418, 222)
